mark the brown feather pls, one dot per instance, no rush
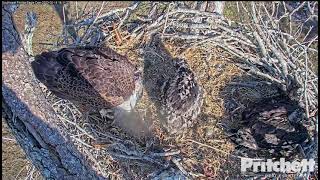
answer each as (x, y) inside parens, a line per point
(94, 76)
(182, 99)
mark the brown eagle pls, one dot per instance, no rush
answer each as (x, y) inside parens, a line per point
(272, 125)
(181, 98)
(93, 78)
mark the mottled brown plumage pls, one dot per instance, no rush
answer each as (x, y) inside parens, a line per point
(91, 77)
(181, 98)
(273, 125)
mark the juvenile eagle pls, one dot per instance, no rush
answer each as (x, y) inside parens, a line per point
(272, 125)
(181, 98)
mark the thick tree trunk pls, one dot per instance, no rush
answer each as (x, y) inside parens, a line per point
(30, 117)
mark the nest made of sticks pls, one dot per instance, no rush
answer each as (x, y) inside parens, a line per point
(236, 63)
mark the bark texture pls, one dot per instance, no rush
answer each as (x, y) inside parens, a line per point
(30, 117)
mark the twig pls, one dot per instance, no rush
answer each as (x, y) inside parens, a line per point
(87, 31)
(165, 153)
(127, 14)
(205, 145)
(305, 85)
(82, 142)
(179, 166)
(31, 22)
(77, 126)
(166, 20)
(8, 139)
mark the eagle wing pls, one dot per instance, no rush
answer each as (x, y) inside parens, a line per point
(95, 75)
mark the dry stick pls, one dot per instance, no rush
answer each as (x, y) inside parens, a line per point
(64, 27)
(310, 29)
(30, 172)
(153, 9)
(197, 37)
(290, 37)
(237, 52)
(85, 34)
(82, 142)
(93, 159)
(185, 37)
(76, 135)
(77, 126)
(295, 10)
(266, 76)
(156, 23)
(266, 28)
(270, 16)
(77, 10)
(298, 32)
(167, 17)
(179, 166)
(260, 42)
(8, 139)
(128, 12)
(107, 135)
(238, 35)
(191, 25)
(216, 149)
(197, 26)
(305, 85)
(25, 166)
(207, 14)
(131, 8)
(166, 153)
(73, 115)
(84, 7)
(275, 51)
(312, 41)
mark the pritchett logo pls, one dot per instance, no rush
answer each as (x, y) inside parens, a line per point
(277, 166)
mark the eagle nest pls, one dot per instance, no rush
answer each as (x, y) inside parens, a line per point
(267, 52)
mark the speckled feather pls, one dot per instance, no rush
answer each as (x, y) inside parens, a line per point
(181, 98)
(93, 77)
